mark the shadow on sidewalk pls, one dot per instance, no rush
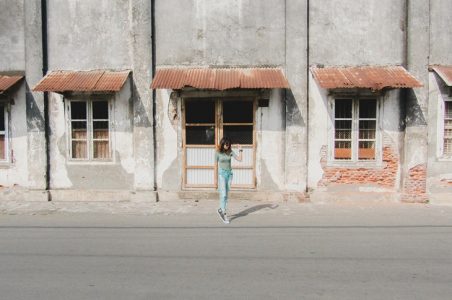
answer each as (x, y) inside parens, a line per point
(250, 210)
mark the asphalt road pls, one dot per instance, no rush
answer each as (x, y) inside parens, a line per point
(195, 257)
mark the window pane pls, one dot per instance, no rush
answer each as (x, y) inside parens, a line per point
(79, 149)
(79, 130)
(343, 150)
(239, 134)
(101, 149)
(343, 129)
(448, 110)
(367, 108)
(343, 108)
(237, 112)
(199, 111)
(200, 135)
(447, 146)
(100, 110)
(366, 150)
(78, 110)
(367, 129)
(2, 146)
(100, 130)
(2, 118)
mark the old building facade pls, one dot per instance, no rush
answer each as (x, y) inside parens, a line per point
(127, 99)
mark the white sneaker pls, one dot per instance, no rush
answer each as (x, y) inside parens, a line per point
(223, 216)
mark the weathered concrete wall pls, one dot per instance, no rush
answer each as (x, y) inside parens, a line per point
(15, 171)
(203, 32)
(270, 151)
(415, 155)
(326, 178)
(85, 35)
(117, 174)
(296, 43)
(440, 32)
(12, 42)
(376, 36)
(439, 174)
(348, 32)
(120, 38)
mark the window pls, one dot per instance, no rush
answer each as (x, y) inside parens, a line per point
(355, 129)
(89, 130)
(3, 133)
(447, 146)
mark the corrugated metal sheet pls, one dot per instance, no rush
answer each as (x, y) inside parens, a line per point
(82, 81)
(445, 72)
(371, 77)
(7, 82)
(219, 79)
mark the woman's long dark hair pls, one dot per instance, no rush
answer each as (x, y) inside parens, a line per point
(225, 140)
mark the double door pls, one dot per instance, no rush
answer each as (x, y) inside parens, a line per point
(205, 122)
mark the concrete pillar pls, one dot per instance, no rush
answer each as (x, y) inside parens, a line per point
(141, 57)
(34, 100)
(417, 58)
(296, 97)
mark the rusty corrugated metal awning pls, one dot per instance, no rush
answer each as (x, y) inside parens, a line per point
(7, 81)
(445, 72)
(372, 77)
(82, 81)
(219, 79)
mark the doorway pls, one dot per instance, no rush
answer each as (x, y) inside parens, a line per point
(205, 122)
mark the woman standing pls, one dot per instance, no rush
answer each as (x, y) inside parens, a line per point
(223, 158)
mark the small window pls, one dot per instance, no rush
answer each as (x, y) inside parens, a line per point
(200, 122)
(447, 128)
(89, 130)
(355, 126)
(3, 133)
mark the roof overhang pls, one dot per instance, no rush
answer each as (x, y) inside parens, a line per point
(445, 72)
(7, 81)
(219, 78)
(370, 77)
(100, 81)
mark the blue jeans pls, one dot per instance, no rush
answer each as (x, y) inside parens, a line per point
(224, 185)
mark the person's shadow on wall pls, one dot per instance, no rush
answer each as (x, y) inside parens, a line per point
(253, 209)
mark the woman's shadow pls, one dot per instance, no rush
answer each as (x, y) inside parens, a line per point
(250, 210)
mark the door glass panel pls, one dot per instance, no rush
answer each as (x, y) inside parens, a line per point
(239, 134)
(200, 135)
(238, 112)
(199, 111)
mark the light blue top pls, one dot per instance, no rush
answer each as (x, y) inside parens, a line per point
(224, 159)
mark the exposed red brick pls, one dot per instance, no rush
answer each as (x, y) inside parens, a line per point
(415, 185)
(384, 176)
(446, 182)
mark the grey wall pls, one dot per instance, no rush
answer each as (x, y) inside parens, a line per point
(12, 50)
(350, 32)
(440, 32)
(206, 32)
(85, 34)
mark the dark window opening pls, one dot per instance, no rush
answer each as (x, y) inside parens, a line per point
(199, 111)
(238, 112)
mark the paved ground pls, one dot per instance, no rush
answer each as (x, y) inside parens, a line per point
(269, 251)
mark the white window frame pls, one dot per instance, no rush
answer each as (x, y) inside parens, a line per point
(90, 139)
(354, 161)
(442, 99)
(6, 109)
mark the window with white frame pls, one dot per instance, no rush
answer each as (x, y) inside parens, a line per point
(89, 130)
(355, 129)
(3, 133)
(447, 137)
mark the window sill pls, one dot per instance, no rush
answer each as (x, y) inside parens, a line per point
(355, 164)
(5, 165)
(90, 162)
(444, 159)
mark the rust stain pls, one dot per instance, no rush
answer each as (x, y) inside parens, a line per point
(372, 77)
(445, 72)
(7, 82)
(219, 79)
(82, 81)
